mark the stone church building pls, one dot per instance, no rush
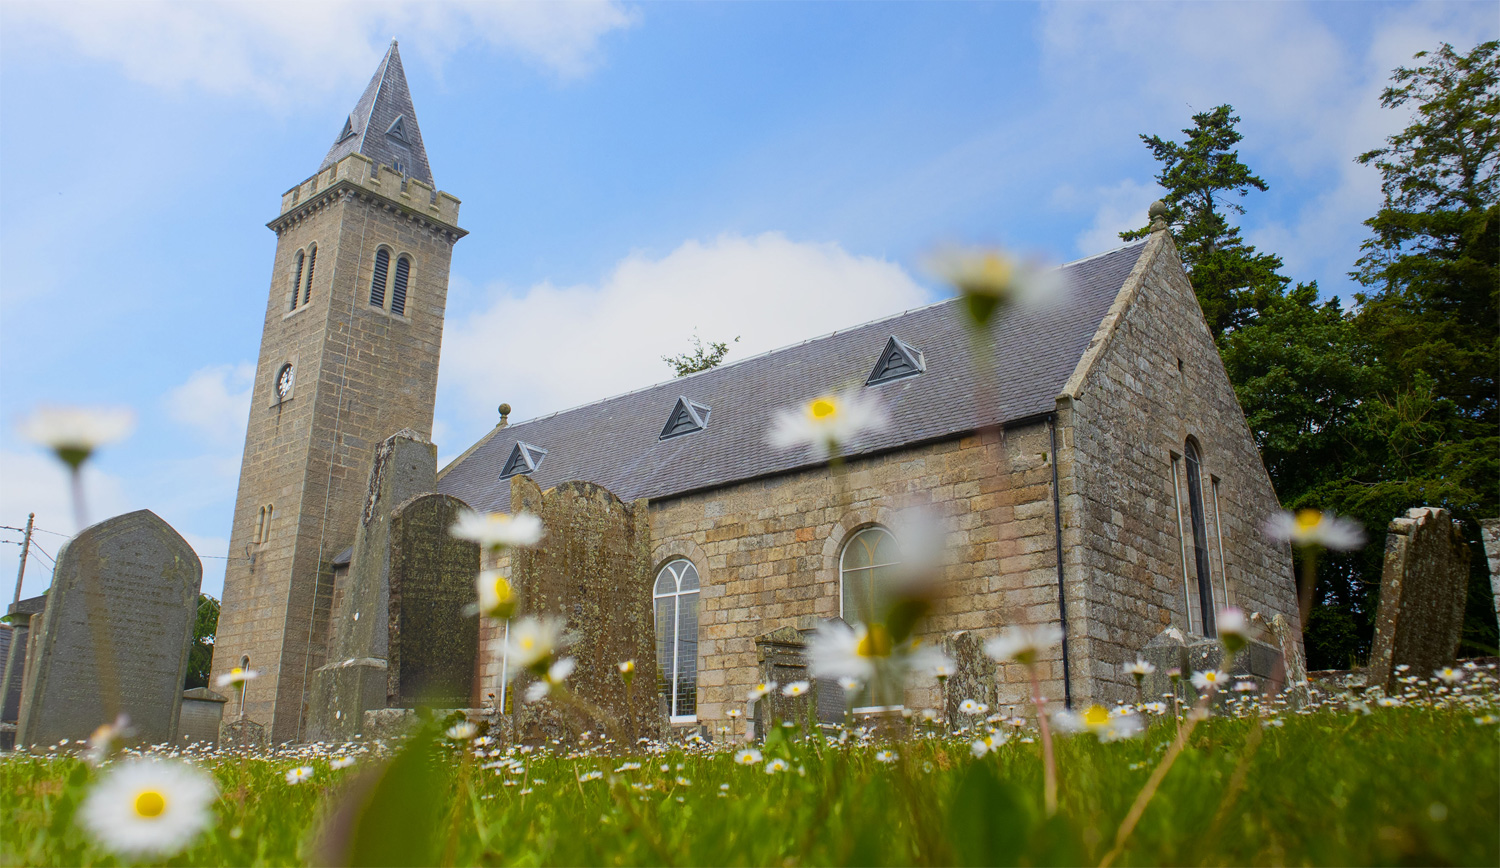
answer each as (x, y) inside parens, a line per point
(1087, 465)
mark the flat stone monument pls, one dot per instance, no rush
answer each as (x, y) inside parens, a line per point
(115, 633)
(13, 665)
(974, 676)
(1423, 588)
(1489, 531)
(434, 641)
(355, 678)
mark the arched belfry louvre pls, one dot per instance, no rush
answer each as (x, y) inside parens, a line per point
(297, 277)
(398, 286)
(676, 599)
(1193, 464)
(312, 264)
(378, 279)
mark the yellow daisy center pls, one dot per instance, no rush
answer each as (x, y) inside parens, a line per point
(875, 643)
(528, 643)
(502, 589)
(149, 804)
(1096, 715)
(1307, 519)
(995, 270)
(823, 408)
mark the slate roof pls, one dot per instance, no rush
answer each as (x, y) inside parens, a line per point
(614, 442)
(385, 99)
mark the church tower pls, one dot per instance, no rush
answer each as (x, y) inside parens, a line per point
(348, 356)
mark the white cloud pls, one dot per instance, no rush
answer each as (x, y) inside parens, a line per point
(36, 482)
(215, 401)
(564, 346)
(280, 52)
(1117, 208)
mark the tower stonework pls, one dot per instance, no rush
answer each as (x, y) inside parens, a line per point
(349, 355)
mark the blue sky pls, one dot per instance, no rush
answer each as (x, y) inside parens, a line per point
(629, 172)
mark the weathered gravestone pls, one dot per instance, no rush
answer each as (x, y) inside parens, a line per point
(115, 634)
(434, 634)
(1489, 531)
(1257, 662)
(202, 715)
(13, 665)
(593, 568)
(975, 676)
(356, 677)
(1294, 667)
(1423, 587)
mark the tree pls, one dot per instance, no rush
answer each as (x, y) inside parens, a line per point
(1201, 176)
(701, 358)
(201, 656)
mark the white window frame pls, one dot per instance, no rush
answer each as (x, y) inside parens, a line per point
(844, 553)
(676, 596)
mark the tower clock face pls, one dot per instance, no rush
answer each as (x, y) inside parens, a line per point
(284, 382)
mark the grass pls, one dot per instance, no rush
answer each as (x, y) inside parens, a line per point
(1411, 785)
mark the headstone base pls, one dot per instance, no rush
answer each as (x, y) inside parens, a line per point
(341, 695)
(243, 734)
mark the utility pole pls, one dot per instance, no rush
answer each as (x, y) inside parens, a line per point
(25, 548)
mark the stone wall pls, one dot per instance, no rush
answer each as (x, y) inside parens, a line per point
(1151, 379)
(361, 373)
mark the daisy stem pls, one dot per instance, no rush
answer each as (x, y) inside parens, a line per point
(1049, 763)
(1154, 782)
(1309, 580)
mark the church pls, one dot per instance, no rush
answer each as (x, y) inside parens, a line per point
(1085, 464)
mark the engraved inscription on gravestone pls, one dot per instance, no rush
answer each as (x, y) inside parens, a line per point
(434, 642)
(115, 633)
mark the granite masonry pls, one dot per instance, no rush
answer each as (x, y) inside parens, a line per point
(115, 634)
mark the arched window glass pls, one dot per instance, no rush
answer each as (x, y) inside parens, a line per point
(676, 597)
(312, 263)
(297, 279)
(398, 288)
(260, 526)
(867, 567)
(1194, 466)
(377, 283)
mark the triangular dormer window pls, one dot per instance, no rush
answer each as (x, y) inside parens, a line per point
(899, 359)
(348, 131)
(687, 417)
(524, 458)
(397, 129)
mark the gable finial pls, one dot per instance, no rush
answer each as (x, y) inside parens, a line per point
(1158, 214)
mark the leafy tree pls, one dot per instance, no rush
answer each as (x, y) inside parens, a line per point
(1202, 176)
(201, 657)
(700, 358)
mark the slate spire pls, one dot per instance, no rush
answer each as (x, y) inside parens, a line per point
(383, 125)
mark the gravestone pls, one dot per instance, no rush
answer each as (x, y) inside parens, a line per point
(355, 678)
(975, 676)
(782, 656)
(1170, 649)
(1489, 531)
(593, 568)
(13, 666)
(115, 633)
(202, 714)
(434, 641)
(1423, 588)
(1294, 669)
(243, 734)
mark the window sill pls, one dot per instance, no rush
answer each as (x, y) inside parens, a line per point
(683, 719)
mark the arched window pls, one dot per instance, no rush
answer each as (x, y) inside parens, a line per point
(1194, 466)
(398, 288)
(676, 597)
(867, 567)
(312, 262)
(377, 283)
(260, 526)
(297, 279)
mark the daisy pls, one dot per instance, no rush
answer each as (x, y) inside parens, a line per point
(969, 706)
(989, 281)
(1140, 669)
(590, 776)
(828, 422)
(776, 766)
(850, 685)
(106, 738)
(1022, 643)
(237, 677)
(498, 530)
(532, 641)
(626, 667)
(885, 756)
(341, 762)
(557, 673)
(1105, 725)
(1209, 681)
(299, 774)
(733, 713)
(148, 807)
(1157, 708)
(760, 690)
(796, 688)
(839, 651)
(1234, 629)
(497, 599)
(988, 743)
(1449, 675)
(73, 433)
(747, 757)
(1311, 528)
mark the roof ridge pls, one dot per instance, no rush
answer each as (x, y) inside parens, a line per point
(784, 347)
